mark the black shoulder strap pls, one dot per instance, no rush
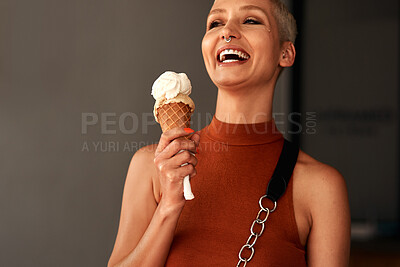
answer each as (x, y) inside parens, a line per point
(283, 171)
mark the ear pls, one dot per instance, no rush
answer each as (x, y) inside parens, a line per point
(288, 54)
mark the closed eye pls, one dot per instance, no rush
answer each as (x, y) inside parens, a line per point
(251, 21)
(214, 24)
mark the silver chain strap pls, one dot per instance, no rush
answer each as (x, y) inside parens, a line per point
(251, 241)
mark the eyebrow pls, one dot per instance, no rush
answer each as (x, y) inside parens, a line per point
(215, 11)
(247, 7)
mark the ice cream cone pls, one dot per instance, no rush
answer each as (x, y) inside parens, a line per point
(174, 115)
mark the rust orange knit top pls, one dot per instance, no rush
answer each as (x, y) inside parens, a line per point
(235, 164)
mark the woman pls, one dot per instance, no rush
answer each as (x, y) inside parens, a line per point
(234, 157)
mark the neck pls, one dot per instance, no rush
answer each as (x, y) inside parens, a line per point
(245, 106)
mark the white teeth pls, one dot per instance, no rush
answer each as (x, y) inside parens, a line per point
(230, 60)
(232, 52)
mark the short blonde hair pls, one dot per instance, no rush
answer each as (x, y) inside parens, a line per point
(286, 23)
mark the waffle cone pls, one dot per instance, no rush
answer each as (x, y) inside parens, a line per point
(174, 115)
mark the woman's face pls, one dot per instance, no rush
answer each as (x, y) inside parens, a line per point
(252, 56)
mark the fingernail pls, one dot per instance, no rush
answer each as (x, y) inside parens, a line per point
(188, 130)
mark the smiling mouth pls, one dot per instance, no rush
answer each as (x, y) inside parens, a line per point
(231, 55)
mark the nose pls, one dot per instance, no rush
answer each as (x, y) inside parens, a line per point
(230, 31)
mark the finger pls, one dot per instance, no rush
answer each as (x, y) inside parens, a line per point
(184, 157)
(183, 171)
(174, 174)
(168, 136)
(195, 138)
(177, 145)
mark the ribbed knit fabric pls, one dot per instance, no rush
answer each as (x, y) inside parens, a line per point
(235, 164)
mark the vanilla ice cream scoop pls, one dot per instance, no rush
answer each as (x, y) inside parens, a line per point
(170, 84)
(171, 87)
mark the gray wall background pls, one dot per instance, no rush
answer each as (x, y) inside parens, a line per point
(61, 188)
(61, 60)
(58, 59)
(351, 80)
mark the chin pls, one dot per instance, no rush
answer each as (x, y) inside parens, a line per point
(229, 80)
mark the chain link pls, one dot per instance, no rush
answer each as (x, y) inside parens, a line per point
(254, 235)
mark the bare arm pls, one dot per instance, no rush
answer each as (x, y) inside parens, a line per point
(146, 229)
(329, 239)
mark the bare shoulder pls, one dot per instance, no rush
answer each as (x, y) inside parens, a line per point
(318, 178)
(141, 171)
(146, 153)
(143, 162)
(319, 192)
(318, 188)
